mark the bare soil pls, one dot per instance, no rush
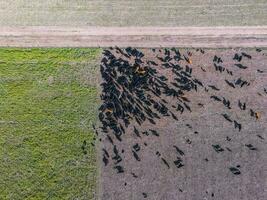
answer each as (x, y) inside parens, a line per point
(205, 172)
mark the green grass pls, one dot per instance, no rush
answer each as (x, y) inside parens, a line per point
(48, 102)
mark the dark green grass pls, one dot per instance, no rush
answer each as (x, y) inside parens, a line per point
(48, 102)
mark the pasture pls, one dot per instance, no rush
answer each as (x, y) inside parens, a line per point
(133, 13)
(48, 103)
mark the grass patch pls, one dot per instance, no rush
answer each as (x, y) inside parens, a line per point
(48, 102)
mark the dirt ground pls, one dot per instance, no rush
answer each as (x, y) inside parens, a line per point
(217, 160)
(141, 37)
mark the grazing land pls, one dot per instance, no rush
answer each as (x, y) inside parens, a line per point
(133, 13)
(48, 102)
(184, 124)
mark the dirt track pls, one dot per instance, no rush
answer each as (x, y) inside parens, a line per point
(209, 37)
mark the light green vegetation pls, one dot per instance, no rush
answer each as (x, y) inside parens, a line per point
(133, 13)
(48, 102)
